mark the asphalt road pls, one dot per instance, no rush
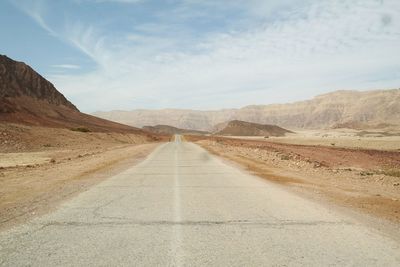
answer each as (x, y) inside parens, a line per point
(184, 207)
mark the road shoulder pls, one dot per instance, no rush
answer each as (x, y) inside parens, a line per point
(33, 190)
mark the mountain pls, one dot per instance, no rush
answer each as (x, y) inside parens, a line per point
(367, 108)
(170, 130)
(18, 80)
(28, 98)
(180, 118)
(243, 128)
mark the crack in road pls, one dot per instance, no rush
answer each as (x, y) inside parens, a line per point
(199, 223)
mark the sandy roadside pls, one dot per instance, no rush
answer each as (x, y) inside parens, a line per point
(344, 138)
(33, 189)
(358, 189)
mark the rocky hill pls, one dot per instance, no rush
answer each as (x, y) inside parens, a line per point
(346, 108)
(243, 128)
(19, 80)
(170, 130)
(28, 98)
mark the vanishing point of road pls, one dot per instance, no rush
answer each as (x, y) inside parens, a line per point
(183, 207)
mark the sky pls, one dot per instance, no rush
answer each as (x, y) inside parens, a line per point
(203, 54)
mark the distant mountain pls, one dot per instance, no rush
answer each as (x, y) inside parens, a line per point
(180, 118)
(170, 130)
(28, 98)
(243, 128)
(347, 108)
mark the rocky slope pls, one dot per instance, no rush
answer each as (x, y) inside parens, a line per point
(341, 108)
(243, 128)
(19, 80)
(170, 130)
(28, 98)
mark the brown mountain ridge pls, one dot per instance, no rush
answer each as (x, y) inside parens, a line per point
(243, 128)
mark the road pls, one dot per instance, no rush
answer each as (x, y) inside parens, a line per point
(184, 207)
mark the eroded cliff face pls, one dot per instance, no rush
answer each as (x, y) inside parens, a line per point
(18, 80)
(349, 108)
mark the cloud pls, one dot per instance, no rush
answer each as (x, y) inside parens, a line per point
(259, 53)
(67, 66)
(112, 1)
(35, 10)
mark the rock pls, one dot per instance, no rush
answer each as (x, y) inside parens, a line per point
(316, 164)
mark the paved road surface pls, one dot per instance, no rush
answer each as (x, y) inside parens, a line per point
(183, 207)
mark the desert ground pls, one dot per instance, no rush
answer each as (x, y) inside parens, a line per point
(40, 167)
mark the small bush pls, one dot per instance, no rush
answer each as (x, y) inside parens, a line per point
(81, 129)
(391, 172)
(285, 157)
(366, 173)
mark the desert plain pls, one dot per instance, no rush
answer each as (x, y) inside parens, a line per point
(347, 168)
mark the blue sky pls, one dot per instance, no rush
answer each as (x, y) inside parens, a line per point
(203, 54)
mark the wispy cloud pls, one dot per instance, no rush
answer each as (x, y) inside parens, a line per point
(112, 1)
(119, 1)
(36, 10)
(67, 66)
(259, 52)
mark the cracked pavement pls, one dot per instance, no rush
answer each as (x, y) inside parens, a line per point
(184, 207)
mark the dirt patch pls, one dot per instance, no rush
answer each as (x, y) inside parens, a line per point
(23, 159)
(301, 169)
